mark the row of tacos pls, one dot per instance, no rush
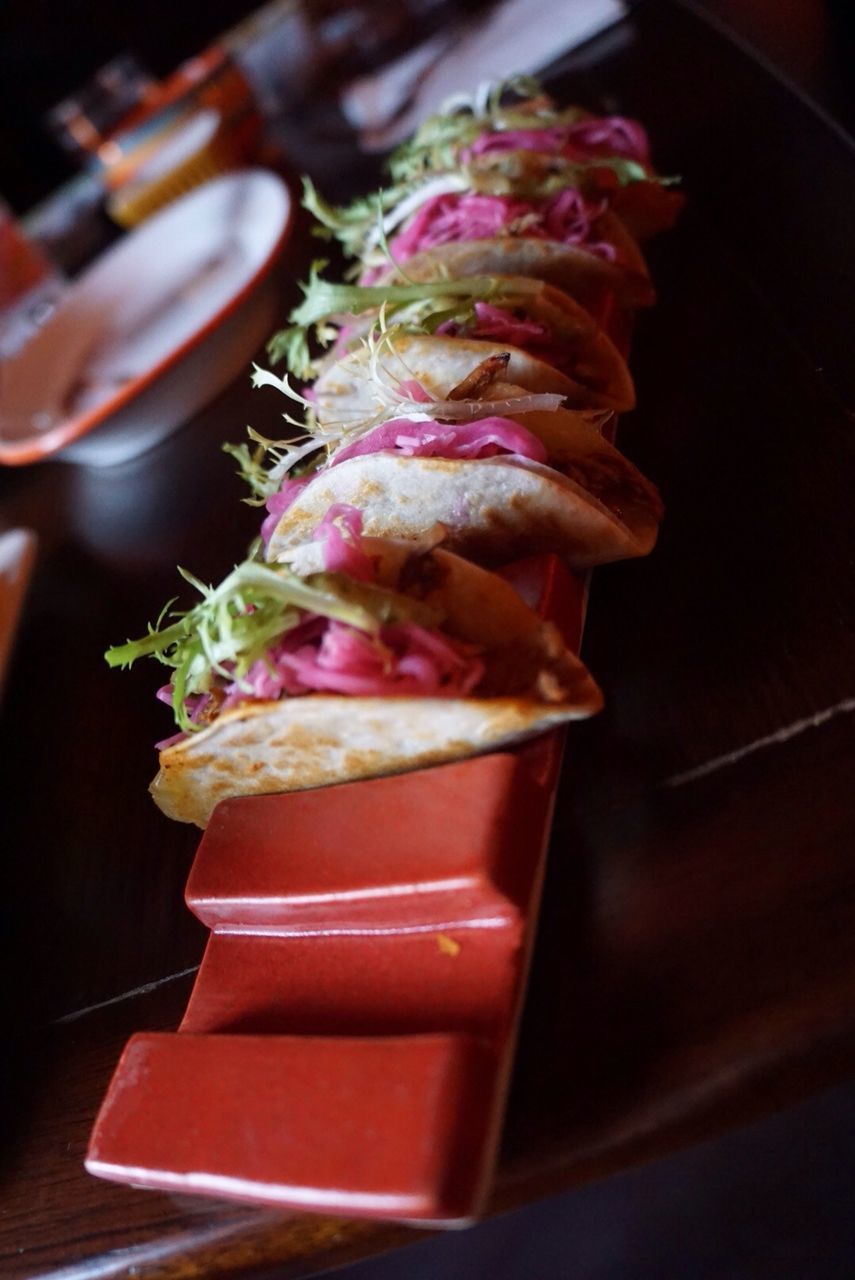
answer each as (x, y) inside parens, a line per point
(458, 393)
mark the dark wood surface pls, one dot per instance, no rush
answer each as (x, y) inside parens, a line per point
(695, 963)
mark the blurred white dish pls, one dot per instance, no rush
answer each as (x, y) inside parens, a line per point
(516, 36)
(152, 330)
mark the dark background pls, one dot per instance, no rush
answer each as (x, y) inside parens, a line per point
(49, 48)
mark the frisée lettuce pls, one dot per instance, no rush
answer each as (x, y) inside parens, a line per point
(234, 624)
(424, 306)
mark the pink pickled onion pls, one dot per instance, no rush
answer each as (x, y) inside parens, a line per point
(504, 326)
(333, 657)
(444, 219)
(323, 654)
(568, 217)
(340, 531)
(497, 325)
(611, 135)
(278, 503)
(481, 439)
(415, 391)
(599, 138)
(550, 140)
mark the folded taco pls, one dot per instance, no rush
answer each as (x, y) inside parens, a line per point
(354, 389)
(383, 658)
(559, 191)
(500, 487)
(435, 332)
(615, 270)
(515, 140)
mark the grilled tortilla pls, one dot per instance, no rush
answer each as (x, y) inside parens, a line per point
(531, 682)
(586, 276)
(591, 506)
(576, 358)
(348, 391)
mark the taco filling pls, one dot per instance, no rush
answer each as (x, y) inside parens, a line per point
(492, 485)
(528, 314)
(409, 438)
(369, 623)
(564, 218)
(382, 658)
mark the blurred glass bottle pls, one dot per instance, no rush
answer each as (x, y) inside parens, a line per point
(84, 121)
(299, 55)
(148, 141)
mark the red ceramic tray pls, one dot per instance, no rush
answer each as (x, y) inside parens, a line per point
(349, 1038)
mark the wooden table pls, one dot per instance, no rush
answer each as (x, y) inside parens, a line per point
(696, 955)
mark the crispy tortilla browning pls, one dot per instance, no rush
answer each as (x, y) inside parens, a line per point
(591, 371)
(597, 376)
(315, 741)
(493, 510)
(590, 506)
(584, 275)
(531, 682)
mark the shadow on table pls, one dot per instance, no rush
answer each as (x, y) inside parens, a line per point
(769, 1202)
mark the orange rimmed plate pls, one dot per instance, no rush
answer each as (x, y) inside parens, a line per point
(152, 330)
